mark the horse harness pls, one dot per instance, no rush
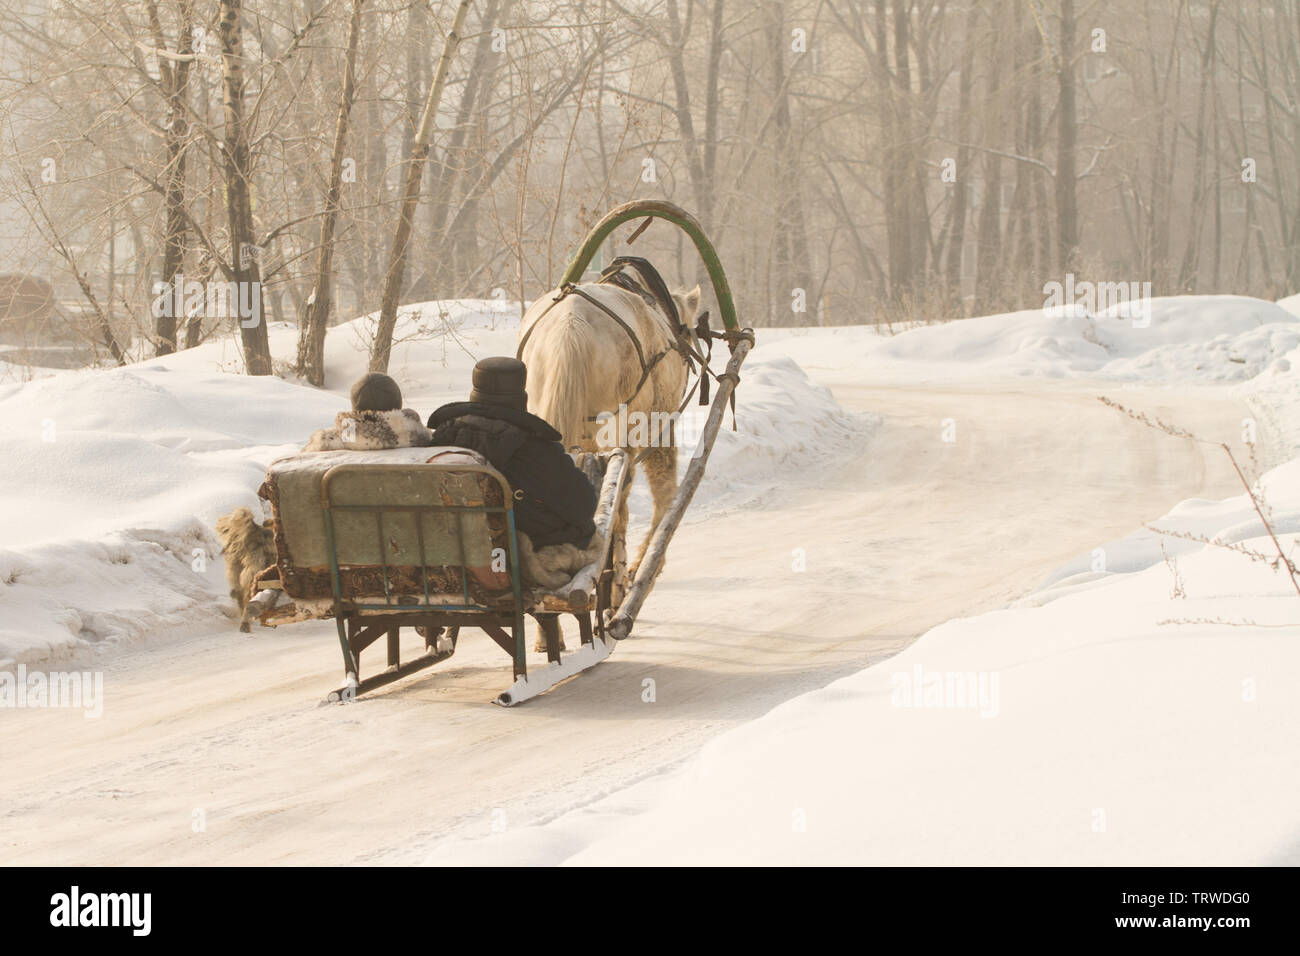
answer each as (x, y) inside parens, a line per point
(652, 289)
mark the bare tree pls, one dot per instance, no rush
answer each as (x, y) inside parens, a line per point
(311, 340)
(382, 346)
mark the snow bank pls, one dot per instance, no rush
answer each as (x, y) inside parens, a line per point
(108, 490)
(785, 425)
(60, 597)
(1187, 527)
(1274, 400)
(1291, 303)
(1179, 339)
(112, 479)
(1107, 722)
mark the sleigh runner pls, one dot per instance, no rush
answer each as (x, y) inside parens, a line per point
(426, 537)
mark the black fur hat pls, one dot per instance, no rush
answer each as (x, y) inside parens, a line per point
(376, 392)
(500, 381)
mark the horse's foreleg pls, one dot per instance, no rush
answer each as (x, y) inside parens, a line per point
(618, 530)
(661, 472)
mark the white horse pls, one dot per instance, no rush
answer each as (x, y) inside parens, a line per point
(583, 365)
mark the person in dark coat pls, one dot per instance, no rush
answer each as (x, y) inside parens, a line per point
(554, 503)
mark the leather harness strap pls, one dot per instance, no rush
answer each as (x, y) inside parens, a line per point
(651, 286)
(636, 343)
(571, 289)
(657, 294)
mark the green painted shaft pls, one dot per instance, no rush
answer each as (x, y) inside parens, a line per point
(660, 209)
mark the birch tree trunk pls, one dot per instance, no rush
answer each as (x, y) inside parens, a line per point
(1192, 250)
(311, 338)
(382, 348)
(236, 164)
(456, 155)
(1067, 210)
(176, 81)
(959, 210)
(988, 255)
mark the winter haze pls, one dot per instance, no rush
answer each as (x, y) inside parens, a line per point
(993, 564)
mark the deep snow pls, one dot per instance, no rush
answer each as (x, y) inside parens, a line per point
(1136, 708)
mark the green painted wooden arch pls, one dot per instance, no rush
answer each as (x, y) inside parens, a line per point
(659, 209)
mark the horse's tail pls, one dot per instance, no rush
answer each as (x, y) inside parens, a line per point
(561, 395)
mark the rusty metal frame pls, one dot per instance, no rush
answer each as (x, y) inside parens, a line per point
(354, 637)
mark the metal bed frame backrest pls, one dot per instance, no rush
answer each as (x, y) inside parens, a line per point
(408, 519)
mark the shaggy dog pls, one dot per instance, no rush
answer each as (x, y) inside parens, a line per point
(249, 548)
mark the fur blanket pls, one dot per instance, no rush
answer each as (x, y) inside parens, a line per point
(554, 565)
(372, 431)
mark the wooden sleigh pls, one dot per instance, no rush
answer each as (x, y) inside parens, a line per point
(425, 538)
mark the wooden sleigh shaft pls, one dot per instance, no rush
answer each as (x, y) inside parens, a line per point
(623, 618)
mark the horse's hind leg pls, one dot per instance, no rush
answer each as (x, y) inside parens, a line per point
(550, 639)
(661, 472)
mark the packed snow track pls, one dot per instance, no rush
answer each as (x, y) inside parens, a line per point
(212, 748)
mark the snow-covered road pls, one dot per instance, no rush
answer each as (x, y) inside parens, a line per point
(211, 748)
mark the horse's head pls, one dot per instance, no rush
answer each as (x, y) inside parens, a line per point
(688, 306)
